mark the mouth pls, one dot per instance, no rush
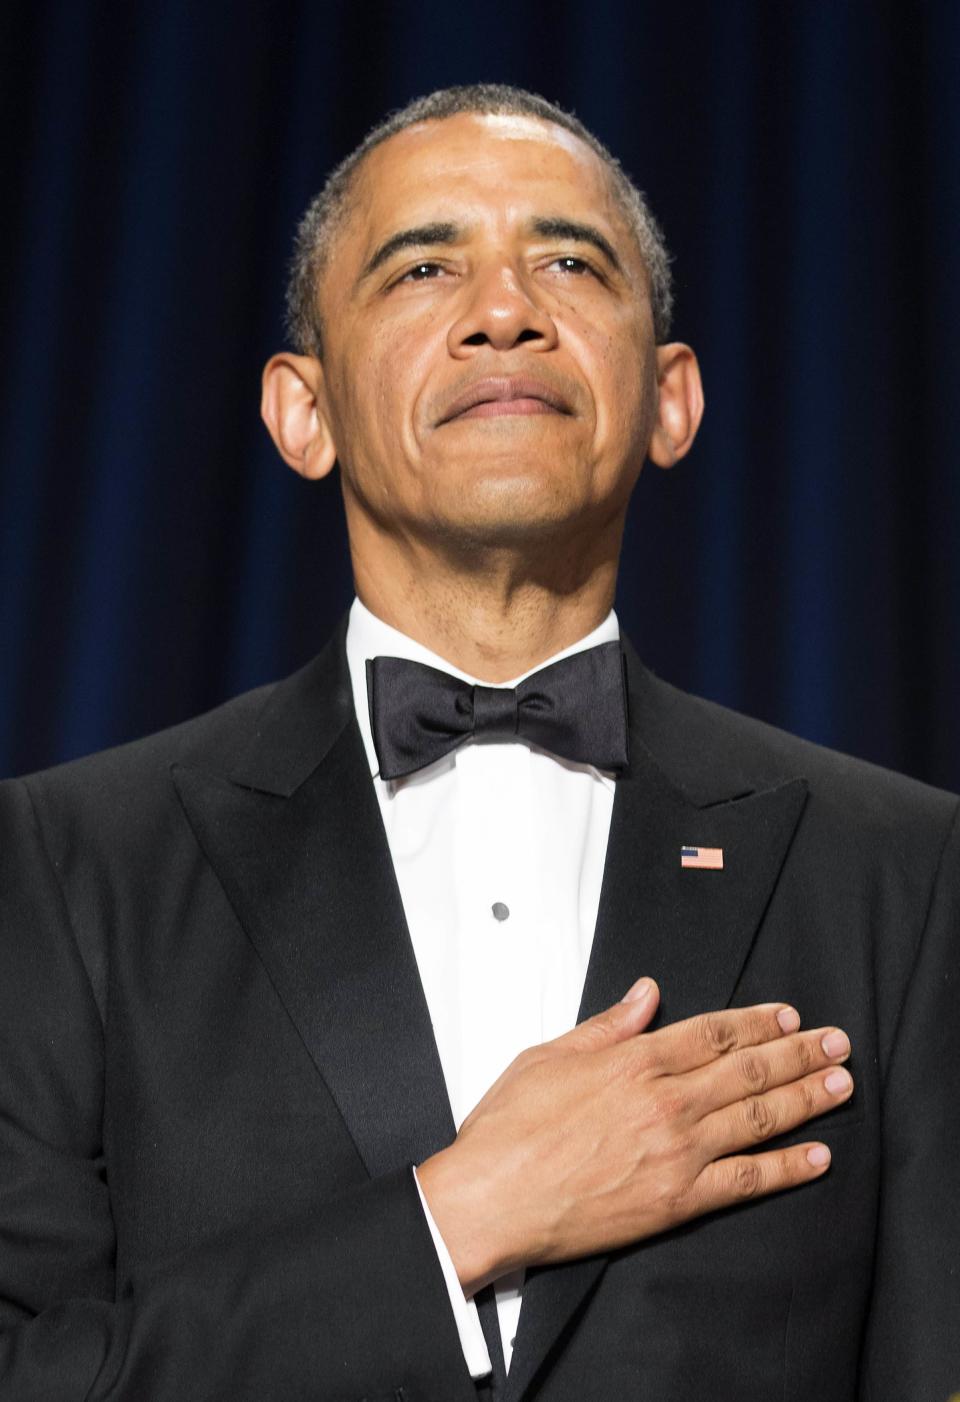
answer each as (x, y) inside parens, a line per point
(503, 395)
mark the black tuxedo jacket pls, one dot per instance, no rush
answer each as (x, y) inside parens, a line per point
(216, 1068)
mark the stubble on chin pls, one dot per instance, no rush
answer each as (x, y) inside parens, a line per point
(526, 520)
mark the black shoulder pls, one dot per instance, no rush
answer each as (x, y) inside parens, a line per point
(713, 753)
(212, 740)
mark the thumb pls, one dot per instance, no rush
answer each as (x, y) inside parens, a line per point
(625, 1019)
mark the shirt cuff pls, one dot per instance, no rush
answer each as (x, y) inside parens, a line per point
(465, 1314)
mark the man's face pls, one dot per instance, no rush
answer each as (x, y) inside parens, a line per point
(489, 370)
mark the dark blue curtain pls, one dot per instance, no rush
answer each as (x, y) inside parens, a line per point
(155, 556)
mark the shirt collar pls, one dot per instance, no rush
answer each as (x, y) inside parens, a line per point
(369, 636)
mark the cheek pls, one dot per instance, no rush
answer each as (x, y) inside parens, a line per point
(634, 395)
(376, 393)
(618, 369)
(362, 396)
(396, 369)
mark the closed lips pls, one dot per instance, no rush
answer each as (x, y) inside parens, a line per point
(505, 395)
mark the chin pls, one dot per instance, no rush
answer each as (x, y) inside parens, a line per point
(512, 516)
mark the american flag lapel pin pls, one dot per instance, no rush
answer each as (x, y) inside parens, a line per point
(702, 858)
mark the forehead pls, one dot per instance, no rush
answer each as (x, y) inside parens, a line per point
(501, 163)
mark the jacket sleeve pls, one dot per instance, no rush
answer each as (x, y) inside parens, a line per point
(345, 1302)
(912, 1343)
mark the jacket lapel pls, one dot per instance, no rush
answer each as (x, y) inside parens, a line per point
(690, 929)
(295, 836)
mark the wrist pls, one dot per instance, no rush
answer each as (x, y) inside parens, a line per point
(465, 1218)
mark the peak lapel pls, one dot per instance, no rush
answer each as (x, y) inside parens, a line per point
(296, 839)
(690, 929)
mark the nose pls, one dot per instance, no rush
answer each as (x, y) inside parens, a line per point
(500, 311)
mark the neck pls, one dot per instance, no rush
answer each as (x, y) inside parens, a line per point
(496, 618)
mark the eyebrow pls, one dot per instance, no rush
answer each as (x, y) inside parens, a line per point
(421, 236)
(556, 228)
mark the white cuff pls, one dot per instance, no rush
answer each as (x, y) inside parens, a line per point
(465, 1314)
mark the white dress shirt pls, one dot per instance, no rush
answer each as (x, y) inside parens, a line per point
(505, 826)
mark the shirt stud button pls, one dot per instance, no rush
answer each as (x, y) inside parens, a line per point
(500, 911)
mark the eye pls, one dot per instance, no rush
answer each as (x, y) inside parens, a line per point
(569, 263)
(422, 272)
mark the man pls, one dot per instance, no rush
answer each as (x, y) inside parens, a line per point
(259, 970)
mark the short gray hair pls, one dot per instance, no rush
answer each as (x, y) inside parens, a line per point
(328, 209)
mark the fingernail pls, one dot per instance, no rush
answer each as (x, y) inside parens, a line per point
(819, 1155)
(835, 1043)
(639, 991)
(838, 1081)
(789, 1019)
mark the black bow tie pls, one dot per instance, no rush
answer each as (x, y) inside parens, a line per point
(575, 708)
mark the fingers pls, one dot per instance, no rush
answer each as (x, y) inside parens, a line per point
(698, 1041)
(746, 1176)
(761, 1117)
(754, 1070)
(758, 1092)
(625, 1019)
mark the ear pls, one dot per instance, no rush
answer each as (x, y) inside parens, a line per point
(293, 407)
(680, 404)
